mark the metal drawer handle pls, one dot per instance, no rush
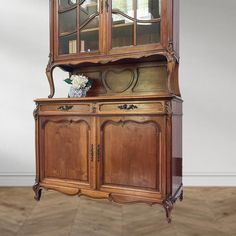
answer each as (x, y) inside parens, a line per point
(65, 108)
(91, 152)
(128, 107)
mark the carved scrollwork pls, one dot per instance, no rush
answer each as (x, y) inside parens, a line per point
(168, 206)
(171, 47)
(167, 108)
(50, 60)
(94, 108)
(168, 203)
(36, 112)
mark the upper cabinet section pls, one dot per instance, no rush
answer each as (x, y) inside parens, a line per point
(89, 30)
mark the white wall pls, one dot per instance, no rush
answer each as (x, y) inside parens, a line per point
(207, 82)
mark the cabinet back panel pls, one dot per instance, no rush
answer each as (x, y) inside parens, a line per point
(66, 149)
(151, 79)
(127, 79)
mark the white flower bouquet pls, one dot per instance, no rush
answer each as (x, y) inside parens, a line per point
(80, 85)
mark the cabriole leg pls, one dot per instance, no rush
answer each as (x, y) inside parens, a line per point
(181, 197)
(168, 206)
(38, 191)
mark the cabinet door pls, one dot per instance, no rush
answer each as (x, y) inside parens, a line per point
(134, 23)
(79, 23)
(65, 149)
(131, 153)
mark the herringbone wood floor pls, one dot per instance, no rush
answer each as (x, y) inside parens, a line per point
(204, 212)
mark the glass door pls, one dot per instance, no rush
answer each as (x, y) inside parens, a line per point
(78, 26)
(135, 22)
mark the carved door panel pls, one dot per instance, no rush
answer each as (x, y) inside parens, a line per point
(65, 149)
(131, 153)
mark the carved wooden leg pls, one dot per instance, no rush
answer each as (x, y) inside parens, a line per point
(51, 82)
(168, 206)
(181, 197)
(49, 73)
(38, 191)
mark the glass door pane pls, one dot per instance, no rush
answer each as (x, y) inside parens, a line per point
(122, 23)
(148, 21)
(66, 3)
(148, 9)
(67, 20)
(89, 36)
(89, 26)
(68, 44)
(78, 26)
(122, 31)
(135, 22)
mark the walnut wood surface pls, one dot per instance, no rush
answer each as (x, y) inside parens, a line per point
(124, 156)
(123, 142)
(131, 162)
(62, 139)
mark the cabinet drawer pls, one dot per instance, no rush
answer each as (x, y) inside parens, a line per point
(132, 107)
(80, 108)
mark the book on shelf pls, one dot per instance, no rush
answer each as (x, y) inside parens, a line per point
(72, 46)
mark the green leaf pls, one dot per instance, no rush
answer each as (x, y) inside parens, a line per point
(90, 82)
(68, 81)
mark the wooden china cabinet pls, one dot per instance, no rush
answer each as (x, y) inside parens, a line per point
(123, 141)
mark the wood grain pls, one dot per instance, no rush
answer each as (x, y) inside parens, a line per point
(123, 141)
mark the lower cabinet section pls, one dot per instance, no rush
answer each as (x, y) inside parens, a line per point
(126, 158)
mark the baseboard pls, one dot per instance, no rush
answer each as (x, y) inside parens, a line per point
(205, 179)
(190, 179)
(16, 179)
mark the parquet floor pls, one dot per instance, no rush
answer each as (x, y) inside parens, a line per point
(204, 212)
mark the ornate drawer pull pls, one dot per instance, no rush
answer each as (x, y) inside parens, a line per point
(98, 153)
(127, 107)
(65, 108)
(91, 152)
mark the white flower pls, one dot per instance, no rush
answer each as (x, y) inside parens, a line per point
(79, 81)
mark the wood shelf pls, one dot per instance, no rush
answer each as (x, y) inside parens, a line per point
(105, 98)
(67, 33)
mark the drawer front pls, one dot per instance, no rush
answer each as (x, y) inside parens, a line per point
(132, 107)
(70, 108)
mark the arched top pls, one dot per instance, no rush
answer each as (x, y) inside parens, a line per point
(130, 120)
